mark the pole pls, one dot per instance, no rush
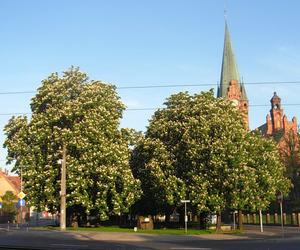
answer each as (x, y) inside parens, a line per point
(233, 220)
(185, 219)
(21, 210)
(63, 191)
(185, 216)
(261, 221)
(281, 216)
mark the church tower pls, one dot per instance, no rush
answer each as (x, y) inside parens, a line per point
(276, 113)
(277, 123)
(231, 86)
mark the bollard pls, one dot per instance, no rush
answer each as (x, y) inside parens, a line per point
(293, 219)
(275, 218)
(248, 219)
(267, 218)
(8, 226)
(284, 218)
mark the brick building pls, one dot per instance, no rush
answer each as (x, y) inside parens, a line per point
(232, 88)
(278, 126)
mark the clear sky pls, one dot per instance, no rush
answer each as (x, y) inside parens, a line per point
(154, 42)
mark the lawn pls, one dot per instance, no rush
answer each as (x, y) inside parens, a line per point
(130, 230)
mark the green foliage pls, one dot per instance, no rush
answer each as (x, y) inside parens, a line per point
(9, 209)
(260, 177)
(153, 165)
(197, 147)
(85, 116)
(290, 156)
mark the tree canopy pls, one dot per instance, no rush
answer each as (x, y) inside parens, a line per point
(84, 116)
(197, 147)
(9, 209)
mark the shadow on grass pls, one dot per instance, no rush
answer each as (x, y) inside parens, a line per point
(164, 231)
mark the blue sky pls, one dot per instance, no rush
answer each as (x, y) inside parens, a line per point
(138, 43)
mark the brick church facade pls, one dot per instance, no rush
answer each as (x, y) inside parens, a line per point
(232, 88)
(278, 126)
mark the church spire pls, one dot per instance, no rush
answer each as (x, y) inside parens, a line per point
(229, 70)
(231, 87)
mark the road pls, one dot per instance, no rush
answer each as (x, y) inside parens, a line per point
(251, 239)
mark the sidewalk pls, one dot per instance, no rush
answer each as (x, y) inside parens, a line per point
(252, 238)
(250, 232)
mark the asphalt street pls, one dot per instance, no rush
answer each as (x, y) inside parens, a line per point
(272, 238)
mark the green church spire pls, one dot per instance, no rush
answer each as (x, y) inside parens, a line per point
(229, 68)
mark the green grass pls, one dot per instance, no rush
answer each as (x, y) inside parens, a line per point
(130, 230)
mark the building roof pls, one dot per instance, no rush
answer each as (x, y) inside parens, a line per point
(275, 97)
(14, 182)
(229, 68)
(277, 135)
(262, 129)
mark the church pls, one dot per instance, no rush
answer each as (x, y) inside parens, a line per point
(232, 88)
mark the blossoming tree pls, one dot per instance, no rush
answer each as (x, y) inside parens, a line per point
(197, 148)
(84, 116)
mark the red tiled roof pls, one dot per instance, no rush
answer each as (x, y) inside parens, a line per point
(16, 181)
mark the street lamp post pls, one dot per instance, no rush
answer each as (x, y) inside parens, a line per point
(280, 200)
(261, 221)
(185, 216)
(234, 224)
(63, 191)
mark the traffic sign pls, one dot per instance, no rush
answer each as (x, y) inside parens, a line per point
(185, 201)
(0, 205)
(21, 202)
(279, 197)
(21, 195)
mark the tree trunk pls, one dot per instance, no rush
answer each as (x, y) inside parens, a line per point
(240, 220)
(218, 226)
(203, 220)
(181, 217)
(167, 219)
(74, 220)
